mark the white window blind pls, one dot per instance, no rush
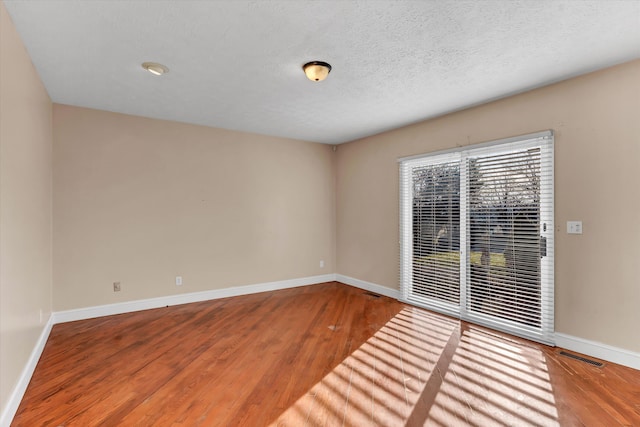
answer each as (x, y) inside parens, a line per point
(476, 230)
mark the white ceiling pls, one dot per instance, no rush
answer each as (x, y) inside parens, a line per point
(237, 64)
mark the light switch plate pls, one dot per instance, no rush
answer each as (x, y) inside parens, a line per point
(574, 227)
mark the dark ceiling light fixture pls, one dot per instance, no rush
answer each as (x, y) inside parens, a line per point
(316, 70)
(155, 68)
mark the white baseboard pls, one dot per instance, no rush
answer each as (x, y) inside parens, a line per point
(146, 304)
(25, 377)
(599, 350)
(372, 287)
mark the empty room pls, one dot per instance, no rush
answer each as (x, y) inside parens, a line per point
(319, 213)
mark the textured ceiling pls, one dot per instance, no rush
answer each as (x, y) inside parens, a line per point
(237, 64)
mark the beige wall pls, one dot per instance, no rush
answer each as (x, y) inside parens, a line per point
(25, 207)
(141, 201)
(596, 119)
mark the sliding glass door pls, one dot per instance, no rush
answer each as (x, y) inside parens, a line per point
(477, 234)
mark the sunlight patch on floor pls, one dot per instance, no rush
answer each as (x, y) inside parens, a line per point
(419, 370)
(492, 381)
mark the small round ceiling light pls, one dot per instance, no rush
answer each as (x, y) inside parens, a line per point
(316, 70)
(155, 68)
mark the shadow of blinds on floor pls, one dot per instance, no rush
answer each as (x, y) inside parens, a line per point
(419, 368)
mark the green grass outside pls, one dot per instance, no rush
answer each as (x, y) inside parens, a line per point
(453, 258)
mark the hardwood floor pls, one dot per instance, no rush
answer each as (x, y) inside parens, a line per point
(322, 355)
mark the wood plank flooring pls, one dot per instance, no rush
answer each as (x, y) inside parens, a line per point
(322, 355)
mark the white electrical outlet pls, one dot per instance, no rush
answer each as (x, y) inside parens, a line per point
(574, 227)
(178, 280)
(321, 263)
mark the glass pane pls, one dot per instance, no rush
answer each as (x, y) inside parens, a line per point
(504, 236)
(436, 232)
